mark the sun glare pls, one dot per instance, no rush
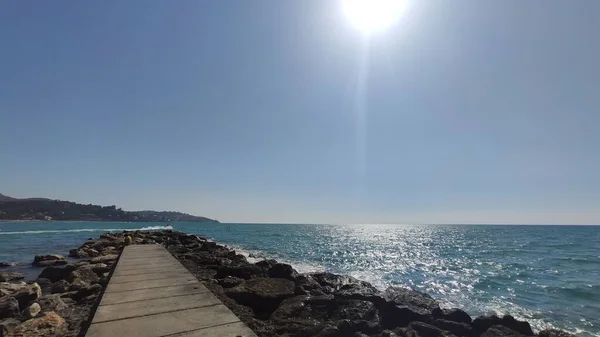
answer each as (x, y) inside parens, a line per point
(373, 15)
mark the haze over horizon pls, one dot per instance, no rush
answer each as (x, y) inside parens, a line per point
(271, 111)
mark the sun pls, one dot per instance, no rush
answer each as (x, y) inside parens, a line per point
(370, 16)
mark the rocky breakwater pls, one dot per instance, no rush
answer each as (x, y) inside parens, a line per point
(60, 301)
(275, 300)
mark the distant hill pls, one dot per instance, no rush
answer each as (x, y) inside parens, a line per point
(48, 209)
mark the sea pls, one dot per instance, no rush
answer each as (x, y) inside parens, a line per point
(547, 275)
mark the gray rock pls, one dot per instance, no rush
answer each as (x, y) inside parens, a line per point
(55, 274)
(61, 286)
(456, 328)
(282, 270)
(229, 282)
(554, 333)
(7, 325)
(9, 307)
(83, 273)
(420, 329)
(405, 305)
(454, 314)
(500, 331)
(49, 260)
(52, 303)
(111, 258)
(7, 264)
(8, 276)
(28, 293)
(483, 323)
(263, 295)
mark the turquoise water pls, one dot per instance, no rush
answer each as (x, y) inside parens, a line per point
(549, 275)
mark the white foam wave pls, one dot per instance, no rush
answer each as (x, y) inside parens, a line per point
(148, 228)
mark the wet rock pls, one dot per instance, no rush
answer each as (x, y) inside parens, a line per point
(307, 285)
(7, 264)
(8, 276)
(230, 282)
(500, 331)
(454, 314)
(332, 282)
(361, 291)
(49, 260)
(405, 305)
(481, 324)
(55, 274)
(9, 307)
(61, 286)
(283, 270)
(456, 328)
(420, 329)
(7, 325)
(554, 333)
(47, 324)
(32, 310)
(263, 295)
(266, 264)
(44, 283)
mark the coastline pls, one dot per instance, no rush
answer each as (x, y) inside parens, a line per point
(272, 298)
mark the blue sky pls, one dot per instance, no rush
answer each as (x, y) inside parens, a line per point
(467, 111)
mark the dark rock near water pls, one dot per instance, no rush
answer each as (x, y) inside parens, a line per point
(554, 333)
(420, 329)
(8, 276)
(7, 264)
(456, 328)
(60, 286)
(282, 270)
(245, 272)
(500, 331)
(482, 324)
(454, 314)
(55, 274)
(9, 307)
(49, 260)
(405, 305)
(263, 295)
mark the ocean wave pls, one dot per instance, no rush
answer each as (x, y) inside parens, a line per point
(148, 228)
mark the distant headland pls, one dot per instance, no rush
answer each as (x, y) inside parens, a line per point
(50, 209)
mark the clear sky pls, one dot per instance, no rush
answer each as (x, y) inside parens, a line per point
(282, 111)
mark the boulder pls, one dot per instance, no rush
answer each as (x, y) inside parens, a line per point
(456, 328)
(61, 286)
(7, 325)
(481, 324)
(8, 276)
(263, 295)
(229, 282)
(554, 333)
(455, 315)
(332, 282)
(28, 293)
(88, 293)
(44, 283)
(406, 305)
(9, 307)
(84, 273)
(51, 303)
(307, 285)
(245, 272)
(10, 288)
(47, 324)
(55, 274)
(311, 314)
(266, 264)
(283, 270)
(420, 329)
(49, 260)
(32, 311)
(361, 291)
(7, 264)
(500, 331)
(108, 259)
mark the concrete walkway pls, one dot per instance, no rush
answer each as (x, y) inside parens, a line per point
(150, 294)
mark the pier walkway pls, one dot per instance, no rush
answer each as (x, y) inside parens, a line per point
(150, 294)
